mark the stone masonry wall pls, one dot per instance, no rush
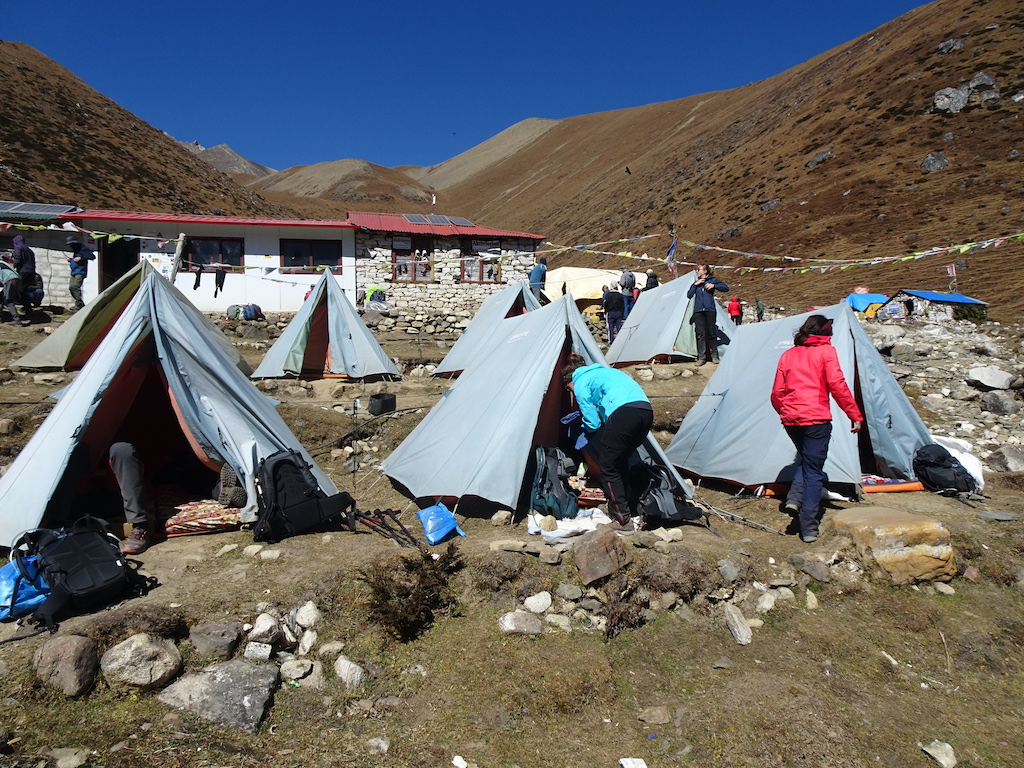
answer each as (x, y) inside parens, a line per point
(445, 305)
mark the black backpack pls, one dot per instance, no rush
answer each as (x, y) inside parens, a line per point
(82, 565)
(290, 500)
(550, 494)
(656, 497)
(940, 472)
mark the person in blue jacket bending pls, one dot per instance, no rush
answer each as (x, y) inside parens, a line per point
(617, 417)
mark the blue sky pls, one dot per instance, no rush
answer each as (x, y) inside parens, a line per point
(414, 83)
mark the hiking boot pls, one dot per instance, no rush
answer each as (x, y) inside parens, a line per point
(136, 543)
(626, 527)
(792, 507)
(808, 538)
(700, 363)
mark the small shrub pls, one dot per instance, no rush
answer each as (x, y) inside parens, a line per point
(406, 595)
(684, 572)
(621, 610)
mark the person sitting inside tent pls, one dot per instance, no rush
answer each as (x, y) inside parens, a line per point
(805, 377)
(617, 417)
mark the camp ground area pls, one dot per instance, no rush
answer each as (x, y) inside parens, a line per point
(456, 652)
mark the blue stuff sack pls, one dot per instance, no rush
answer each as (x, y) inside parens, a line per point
(438, 522)
(20, 594)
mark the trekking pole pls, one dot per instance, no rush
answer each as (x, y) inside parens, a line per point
(394, 516)
(738, 518)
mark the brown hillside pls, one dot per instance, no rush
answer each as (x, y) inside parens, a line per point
(716, 164)
(62, 142)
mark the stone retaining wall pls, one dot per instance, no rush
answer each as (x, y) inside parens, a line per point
(445, 305)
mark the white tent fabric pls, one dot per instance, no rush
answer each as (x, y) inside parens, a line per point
(581, 282)
(477, 441)
(733, 433)
(476, 338)
(354, 352)
(226, 416)
(659, 326)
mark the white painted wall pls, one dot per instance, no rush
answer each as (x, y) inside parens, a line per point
(262, 281)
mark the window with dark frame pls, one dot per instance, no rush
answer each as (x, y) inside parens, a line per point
(481, 260)
(210, 252)
(310, 255)
(411, 259)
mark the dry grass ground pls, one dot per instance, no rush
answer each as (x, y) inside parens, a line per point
(812, 689)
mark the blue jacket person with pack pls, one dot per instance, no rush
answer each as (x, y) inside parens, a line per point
(617, 416)
(78, 261)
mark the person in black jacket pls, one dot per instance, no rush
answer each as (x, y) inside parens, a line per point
(614, 309)
(652, 280)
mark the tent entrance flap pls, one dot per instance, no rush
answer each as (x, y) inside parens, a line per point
(317, 360)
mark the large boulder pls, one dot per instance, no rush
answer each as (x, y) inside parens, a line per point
(898, 546)
(988, 377)
(235, 694)
(1007, 458)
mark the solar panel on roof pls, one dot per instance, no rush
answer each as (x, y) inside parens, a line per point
(436, 218)
(460, 222)
(414, 218)
(8, 206)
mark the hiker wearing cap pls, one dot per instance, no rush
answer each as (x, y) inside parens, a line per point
(79, 263)
(806, 375)
(617, 417)
(652, 280)
(537, 275)
(736, 310)
(759, 306)
(704, 326)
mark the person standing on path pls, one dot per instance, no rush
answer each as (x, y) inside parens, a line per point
(736, 310)
(805, 377)
(537, 277)
(760, 310)
(613, 311)
(79, 263)
(704, 310)
(23, 259)
(627, 282)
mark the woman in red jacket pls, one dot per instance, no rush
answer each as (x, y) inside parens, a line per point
(807, 374)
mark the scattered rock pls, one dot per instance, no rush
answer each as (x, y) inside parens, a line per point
(1007, 458)
(655, 715)
(728, 571)
(723, 663)
(67, 663)
(737, 624)
(941, 752)
(811, 564)
(520, 623)
(998, 516)
(351, 674)
(216, 641)
(811, 601)
(308, 616)
(538, 603)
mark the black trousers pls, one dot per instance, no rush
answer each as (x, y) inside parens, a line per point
(706, 328)
(619, 437)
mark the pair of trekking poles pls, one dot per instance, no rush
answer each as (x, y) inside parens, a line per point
(386, 523)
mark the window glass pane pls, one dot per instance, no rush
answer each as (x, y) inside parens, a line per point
(326, 253)
(294, 254)
(232, 252)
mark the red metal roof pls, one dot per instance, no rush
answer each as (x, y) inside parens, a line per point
(176, 218)
(395, 222)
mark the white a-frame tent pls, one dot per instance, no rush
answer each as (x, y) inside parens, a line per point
(326, 339)
(660, 326)
(732, 432)
(477, 442)
(160, 381)
(512, 301)
(69, 347)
